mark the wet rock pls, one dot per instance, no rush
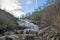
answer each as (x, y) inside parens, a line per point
(9, 37)
(29, 38)
(2, 38)
(9, 33)
(12, 37)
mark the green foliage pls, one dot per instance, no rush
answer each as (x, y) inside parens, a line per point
(36, 17)
(3, 26)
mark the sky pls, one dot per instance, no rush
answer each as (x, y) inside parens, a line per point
(21, 7)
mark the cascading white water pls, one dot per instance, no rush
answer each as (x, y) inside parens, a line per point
(28, 25)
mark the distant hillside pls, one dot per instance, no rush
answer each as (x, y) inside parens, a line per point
(48, 20)
(50, 15)
(7, 19)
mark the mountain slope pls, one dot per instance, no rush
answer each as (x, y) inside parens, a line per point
(7, 19)
(50, 15)
(48, 20)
